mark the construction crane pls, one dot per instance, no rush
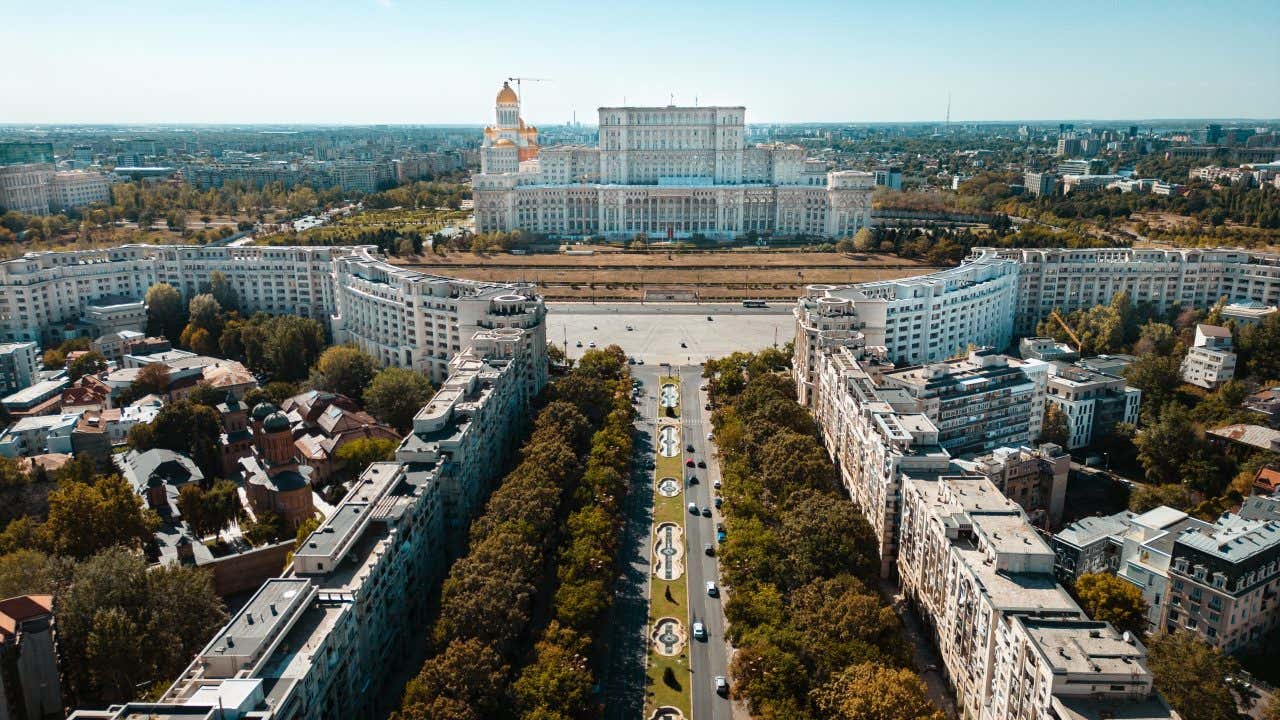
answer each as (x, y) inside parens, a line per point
(518, 80)
(1079, 346)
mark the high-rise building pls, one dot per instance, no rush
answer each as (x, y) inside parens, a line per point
(1211, 360)
(664, 172)
(1040, 183)
(26, 172)
(19, 363)
(1093, 402)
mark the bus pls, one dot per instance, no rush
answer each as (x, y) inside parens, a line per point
(754, 304)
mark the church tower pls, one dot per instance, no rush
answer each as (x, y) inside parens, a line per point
(508, 142)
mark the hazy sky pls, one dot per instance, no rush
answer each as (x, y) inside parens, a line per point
(442, 61)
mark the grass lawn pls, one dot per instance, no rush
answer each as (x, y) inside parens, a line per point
(669, 509)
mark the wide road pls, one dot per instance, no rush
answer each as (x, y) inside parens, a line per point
(710, 657)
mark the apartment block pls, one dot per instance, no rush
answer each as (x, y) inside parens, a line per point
(321, 640)
(1034, 478)
(1211, 360)
(1093, 402)
(19, 363)
(1013, 643)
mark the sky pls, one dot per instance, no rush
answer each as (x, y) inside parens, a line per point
(442, 61)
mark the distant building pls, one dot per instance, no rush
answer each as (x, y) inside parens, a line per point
(1034, 478)
(39, 434)
(1040, 184)
(890, 177)
(77, 189)
(1093, 402)
(19, 363)
(1210, 361)
(38, 399)
(1082, 167)
(1247, 312)
(26, 172)
(30, 685)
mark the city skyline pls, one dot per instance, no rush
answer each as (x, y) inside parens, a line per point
(394, 63)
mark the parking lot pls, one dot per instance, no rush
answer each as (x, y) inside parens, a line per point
(657, 332)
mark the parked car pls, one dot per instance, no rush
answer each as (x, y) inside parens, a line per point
(720, 536)
(699, 630)
(710, 436)
(712, 590)
(591, 344)
(719, 501)
(716, 484)
(579, 343)
(688, 448)
(722, 685)
(629, 328)
(693, 479)
(639, 361)
(719, 527)
(708, 549)
(683, 345)
(707, 406)
(631, 361)
(693, 508)
(709, 318)
(688, 463)
(706, 511)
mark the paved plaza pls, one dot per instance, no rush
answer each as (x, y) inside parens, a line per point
(658, 329)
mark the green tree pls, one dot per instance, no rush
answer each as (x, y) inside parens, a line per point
(468, 673)
(222, 290)
(1150, 497)
(84, 519)
(209, 511)
(268, 527)
(395, 395)
(183, 427)
(1054, 429)
(31, 572)
(1166, 445)
(1158, 377)
(872, 692)
(90, 363)
(357, 454)
(151, 378)
(344, 369)
(1191, 675)
(204, 311)
(1105, 597)
(164, 311)
(864, 240)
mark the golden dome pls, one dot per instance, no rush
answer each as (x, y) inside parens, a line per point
(507, 95)
(503, 142)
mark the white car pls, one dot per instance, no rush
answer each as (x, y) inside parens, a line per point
(699, 631)
(591, 344)
(722, 685)
(712, 590)
(710, 436)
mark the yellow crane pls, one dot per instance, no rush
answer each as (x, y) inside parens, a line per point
(1079, 346)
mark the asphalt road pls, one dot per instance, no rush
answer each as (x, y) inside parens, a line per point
(710, 657)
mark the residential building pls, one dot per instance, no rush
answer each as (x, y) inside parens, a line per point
(38, 399)
(1209, 361)
(1081, 167)
(323, 423)
(39, 434)
(30, 685)
(26, 172)
(19, 363)
(1012, 642)
(1040, 184)
(1046, 349)
(113, 313)
(665, 172)
(112, 345)
(322, 640)
(1266, 402)
(1034, 478)
(1093, 402)
(890, 177)
(1246, 437)
(400, 316)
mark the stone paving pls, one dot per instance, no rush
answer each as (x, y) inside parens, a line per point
(668, 551)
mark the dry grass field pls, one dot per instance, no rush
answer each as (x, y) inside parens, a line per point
(713, 275)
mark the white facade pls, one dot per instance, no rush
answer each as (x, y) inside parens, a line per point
(999, 293)
(660, 172)
(25, 188)
(1093, 402)
(19, 363)
(1210, 361)
(75, 189)
(400, 316)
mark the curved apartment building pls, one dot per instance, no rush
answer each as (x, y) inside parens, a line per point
(997, 294)
(400, 316)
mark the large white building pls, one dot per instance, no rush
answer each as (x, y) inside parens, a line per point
(661, 172)
(400, 316)
(997, 294)
(1210, 361)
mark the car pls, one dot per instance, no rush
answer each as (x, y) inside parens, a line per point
(591, 344)
(707, 406)
(688, 463)
(720, 536)
(689, 447)
(719, 501)
(710, 435)
(639, 361)
(722, 685)
(706, 511)
(699, 630)
(693, 508)
(703, 387)
(629, 328)
(631, 361)
(716, 484)
(708, 549)
(579, 343)
(683, 345)
(693, 479)
(719, 527)
(709, 318)
(712, 590)
(702, 463)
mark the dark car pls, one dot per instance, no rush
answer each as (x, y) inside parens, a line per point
(709, 549)
(708, 318)
(688, 448)
(720, 536)
(706, 511)
(702, 463)
(688, 463)
(719, 527)
(693, 479)
(719, 501)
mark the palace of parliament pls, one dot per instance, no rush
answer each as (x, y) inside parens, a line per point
(664, 172)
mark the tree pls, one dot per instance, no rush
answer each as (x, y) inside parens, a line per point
(151, 378)
(1157, 376)
(268, 527)
(53, 359)
(864, 240)
(90, 363)
(1191, 675)
(198, 340)
(344, 369)
(873, 692)
(164, 311)
(1108, 598)
(27, 572)
(183, 427)
(467, 672)
(209, 511)
(1150, 497)
(204, 311)
(1054, 429)
(396, 394)
(84, 519)
(357, 454)
(223, 291)
(1164, 446)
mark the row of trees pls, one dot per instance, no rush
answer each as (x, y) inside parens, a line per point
(489, 599)
(813, 636)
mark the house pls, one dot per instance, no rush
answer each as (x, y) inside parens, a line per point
(42, 398)
(113, 345)
(39, 434)
(88, 393)
(1250, 437)
(158, 476)
(1266, 402)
